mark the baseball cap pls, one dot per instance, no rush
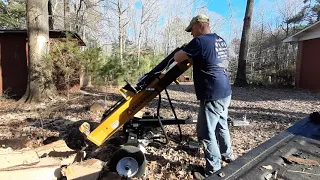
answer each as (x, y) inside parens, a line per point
(198, 18)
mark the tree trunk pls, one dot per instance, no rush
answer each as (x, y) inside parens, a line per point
(154, 40)
(146, 37)
(139, 49)
(40, 81)
(78, 21)
(121, 44)
(276, 58)
(120, 31)
(51, 20)
(241, 79)
(139, 37)
(64, 14)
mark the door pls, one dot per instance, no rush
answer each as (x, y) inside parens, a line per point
(310, 73)
(14, 64)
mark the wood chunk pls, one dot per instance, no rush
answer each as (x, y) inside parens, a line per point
(89, 169)
(139, 114)
(97, 107)
(44, 162)
(56, 153)
(18, 158)
(302, 161)
(57, 149)
(46, 168)
(39, 173)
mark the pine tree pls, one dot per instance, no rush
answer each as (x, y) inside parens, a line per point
(12, 14)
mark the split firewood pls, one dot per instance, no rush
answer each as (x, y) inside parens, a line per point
(89, 169)
(34, 173)
(55, 149)
(17, 158)
(46, 168)
(57, 152)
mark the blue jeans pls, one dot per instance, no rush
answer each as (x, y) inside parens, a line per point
(213, 132)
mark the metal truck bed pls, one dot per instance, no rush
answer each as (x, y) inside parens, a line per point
(293, 155)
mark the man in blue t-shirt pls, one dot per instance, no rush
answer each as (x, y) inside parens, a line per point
(208, 52)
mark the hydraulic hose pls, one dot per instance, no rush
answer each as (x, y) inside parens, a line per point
(175, 116)
(161, 125)
(160, 122)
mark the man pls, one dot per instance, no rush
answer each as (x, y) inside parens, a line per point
(208, 52)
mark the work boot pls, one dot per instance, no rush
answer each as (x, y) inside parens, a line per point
(199, 173)
(199, 176)
(228, 159)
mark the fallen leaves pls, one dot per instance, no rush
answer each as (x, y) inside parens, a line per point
(269, 112)
(222, 174)
(268, 176)
(273, 175)
(269, 167)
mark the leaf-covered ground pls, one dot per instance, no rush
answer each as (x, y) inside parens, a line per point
(268, 110)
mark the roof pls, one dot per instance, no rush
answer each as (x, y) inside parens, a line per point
(311, 32)
(52, 34)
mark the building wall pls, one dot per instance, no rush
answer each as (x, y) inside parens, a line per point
(310, 65)
(0, 70)
(14, 60)
(298, 63)
(14, 74)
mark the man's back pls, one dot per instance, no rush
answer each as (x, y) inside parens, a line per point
(209, 54)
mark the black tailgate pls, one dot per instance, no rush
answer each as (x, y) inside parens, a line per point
(300, 142)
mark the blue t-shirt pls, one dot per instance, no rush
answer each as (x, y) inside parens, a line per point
(209, 54)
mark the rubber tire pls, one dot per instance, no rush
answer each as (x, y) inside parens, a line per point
(129, 151)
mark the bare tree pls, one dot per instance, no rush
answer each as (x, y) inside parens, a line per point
(172, 27)
(64, 14)
(258, 34)
(287, 10)
(40, 81)
(118, 9)
(148, 8)
(241, 79)
(79, 16)
(120, 24)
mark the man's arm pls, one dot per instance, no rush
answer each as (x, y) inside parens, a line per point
(190, 51)
(180, 56)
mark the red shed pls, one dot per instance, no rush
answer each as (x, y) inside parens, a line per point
(13, 59)
(308, 59)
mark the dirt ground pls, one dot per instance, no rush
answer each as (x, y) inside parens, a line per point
(268, 110)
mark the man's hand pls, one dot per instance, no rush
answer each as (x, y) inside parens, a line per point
(181, 56)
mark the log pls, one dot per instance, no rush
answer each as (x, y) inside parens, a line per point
(55, 149)
(47, 168)
(14, 158)
(39, 173)
(86, 170)
(57, 152)
(45, 163)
